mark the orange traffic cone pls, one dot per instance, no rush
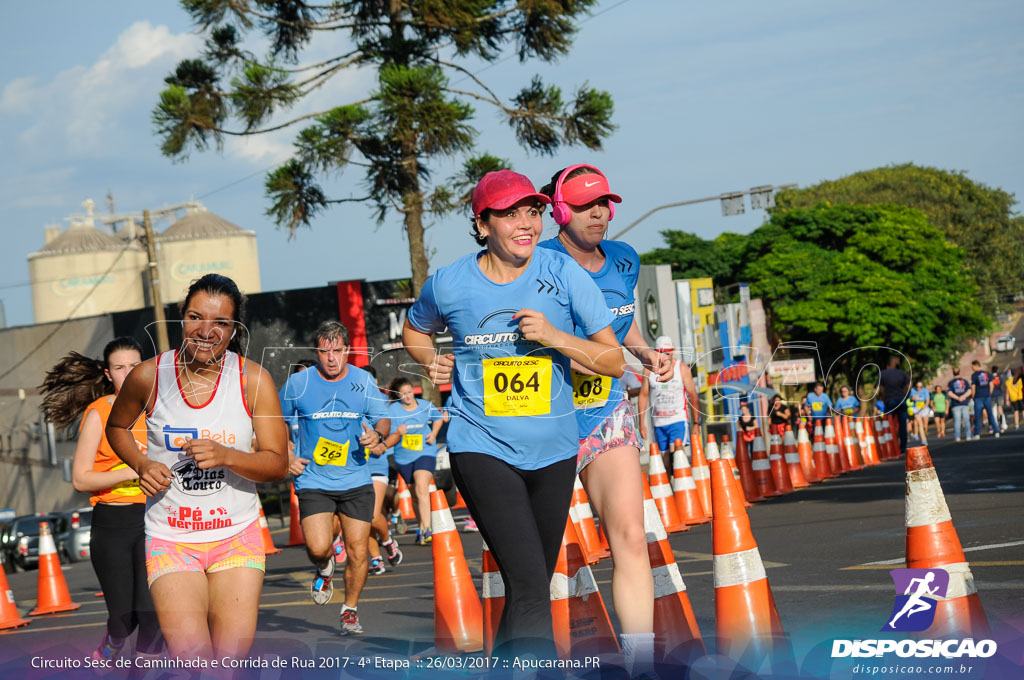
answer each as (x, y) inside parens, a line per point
(780, 474)
(675, 626)
(838, 463)
(662, 492)
(404, 500)
(582, 515)
(685, 489)
(700, 471)
(8, 608)
(745, 616)
(268, 541)
(725, 453)
(53, 589)
(744, 465)
(932, 543)
(760, 465)
(458, 615)
(809, 464)
(820, 454)
(852, 445)
(580, 621)
(796, 470)
(295, 535)
(460, 502)
(493, 591)
(866, 443)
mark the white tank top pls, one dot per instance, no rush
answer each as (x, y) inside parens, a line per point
(200, 505)
(668, 399)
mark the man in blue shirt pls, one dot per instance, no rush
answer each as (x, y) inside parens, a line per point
(330, 402)
(819, 404)
(958, 391)
(981, 390)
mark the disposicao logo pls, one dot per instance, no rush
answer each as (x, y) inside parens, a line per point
(921, 589)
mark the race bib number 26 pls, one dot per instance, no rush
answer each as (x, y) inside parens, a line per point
(330, 453)
(517, 386)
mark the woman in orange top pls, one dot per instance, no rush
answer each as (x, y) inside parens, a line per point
(77, 386)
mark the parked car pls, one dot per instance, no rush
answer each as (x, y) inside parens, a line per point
(79, 523)
(1006, 343)
(20, 539)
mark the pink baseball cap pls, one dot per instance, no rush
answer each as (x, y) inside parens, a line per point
(503, 188)
(583, 189)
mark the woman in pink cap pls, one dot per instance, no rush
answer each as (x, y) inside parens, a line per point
(608, 460)
(511, 310)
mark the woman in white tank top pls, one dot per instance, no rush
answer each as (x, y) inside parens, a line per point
(203, 404)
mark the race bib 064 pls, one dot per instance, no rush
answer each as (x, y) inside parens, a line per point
(517, 386)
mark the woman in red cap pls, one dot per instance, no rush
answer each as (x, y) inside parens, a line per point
(608, 460)
(511, 310)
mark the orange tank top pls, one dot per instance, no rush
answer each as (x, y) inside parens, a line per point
(107, 460)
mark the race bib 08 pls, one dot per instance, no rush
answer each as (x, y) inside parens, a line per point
(412, 442)
(330, 453)
(590, 390)
(517, 386)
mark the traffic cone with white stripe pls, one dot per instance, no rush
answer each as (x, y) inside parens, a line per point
(268, 541)
(780, 471)
(295, 535)
(806, 452)
(53, 592)
(582, 515)
(9, 617)
(866, 440)
(661, 491)
(580, 621)
(700, 471)
(676, 634)
(820, 452)
(746, 621)
(404, 500)
(458, 615)
(493, 596)
(838, 463)
(745, 466)
(684, 489)
(764, 479)
(932, 543)
(796, 470)
(726, 454)
(849, 443)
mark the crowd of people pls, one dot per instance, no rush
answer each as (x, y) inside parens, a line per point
(171, 448)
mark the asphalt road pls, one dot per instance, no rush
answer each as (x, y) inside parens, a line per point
(827, 551)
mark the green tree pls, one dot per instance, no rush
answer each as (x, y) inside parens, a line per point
(413, 117)
(692, 257)
(969, 214)
(851, 277)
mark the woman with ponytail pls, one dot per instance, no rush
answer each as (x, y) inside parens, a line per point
(80, 386)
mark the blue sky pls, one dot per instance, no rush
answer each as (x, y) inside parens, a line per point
(709, 97)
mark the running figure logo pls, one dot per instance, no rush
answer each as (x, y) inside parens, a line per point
(914, 610)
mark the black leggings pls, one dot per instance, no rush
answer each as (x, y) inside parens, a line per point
(521, 515)
(118, 552)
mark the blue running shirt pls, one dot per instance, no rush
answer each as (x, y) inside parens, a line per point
(821, 407)
(848, 405)
(417, 423)
(330, 416)
(596, 397)
(511, 398)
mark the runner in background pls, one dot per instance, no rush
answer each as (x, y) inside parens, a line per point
(819, 405)
(847, 404)
(920, 405)
(513, 438)
(79, 385)
(958, 392)
(414, 427)
(378, 459)
(780, 414)
(332, 402)
(941, 406)
(673, 402)
(746, 423)
(203, 404)
(608, 463)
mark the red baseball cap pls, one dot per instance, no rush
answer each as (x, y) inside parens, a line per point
(503, 188)
(583, 189)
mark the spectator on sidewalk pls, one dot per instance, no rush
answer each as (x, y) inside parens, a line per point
(998, 395)
(1015, 394)
(959, 393)
(981, 391)
(895, 384)
(941, 405)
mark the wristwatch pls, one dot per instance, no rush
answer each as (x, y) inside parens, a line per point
(380, 437)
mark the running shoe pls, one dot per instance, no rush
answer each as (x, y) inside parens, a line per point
(321, 589)
(423, 536)
(392, 552)
(377, 566)
(350, 622)
(107, 651)
(339, 551)
(470, 525)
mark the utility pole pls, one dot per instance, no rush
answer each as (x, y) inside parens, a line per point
(162, 342)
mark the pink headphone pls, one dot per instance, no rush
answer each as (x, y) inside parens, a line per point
(559, 210)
